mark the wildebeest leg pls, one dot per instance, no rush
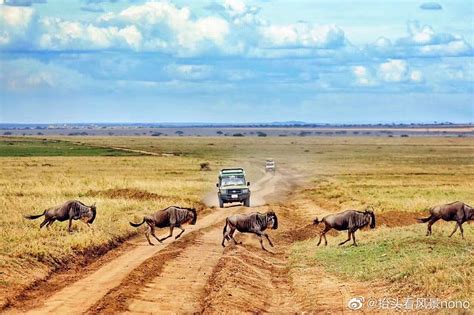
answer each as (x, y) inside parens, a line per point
(231, 234)
(261, 241)
(432, 221)
(70, 224)
(455, 229)
(182, 231)
(44, 222)
(268, 239)
(49, 223)
(348, 238)
(171, 233)
(462, 231)
(354, 239)
(323, 234)
(147, 235)
(152, 232)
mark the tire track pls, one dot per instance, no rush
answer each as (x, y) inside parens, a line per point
(181, 285)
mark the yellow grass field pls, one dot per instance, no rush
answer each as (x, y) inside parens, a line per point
(390, 174)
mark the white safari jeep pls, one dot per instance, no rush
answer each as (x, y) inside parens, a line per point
(232, 187)
(270, 166)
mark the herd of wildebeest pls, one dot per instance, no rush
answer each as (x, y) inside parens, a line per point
(256, 223)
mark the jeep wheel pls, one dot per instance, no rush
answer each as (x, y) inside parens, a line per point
(247, 202)
(221, 203)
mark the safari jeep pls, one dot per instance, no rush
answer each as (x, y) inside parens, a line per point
(232, 187)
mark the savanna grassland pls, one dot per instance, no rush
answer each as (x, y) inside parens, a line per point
(398, 177)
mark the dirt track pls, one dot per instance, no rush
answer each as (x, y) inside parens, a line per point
(195, 274)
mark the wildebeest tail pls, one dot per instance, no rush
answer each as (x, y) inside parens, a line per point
(35, 216)
(424, 220)
(137, 224)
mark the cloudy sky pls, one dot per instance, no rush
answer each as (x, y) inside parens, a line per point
(236, 61)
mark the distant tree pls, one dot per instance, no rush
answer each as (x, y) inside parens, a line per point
(219, 132)
(261, 134)
(238, 135)
(404, 136)
(179, 132)
(7, 133)
(156, 134)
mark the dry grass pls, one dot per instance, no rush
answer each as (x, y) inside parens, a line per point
(392, 174)
(26, 187)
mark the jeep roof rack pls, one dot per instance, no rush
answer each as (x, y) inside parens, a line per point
(232, 171)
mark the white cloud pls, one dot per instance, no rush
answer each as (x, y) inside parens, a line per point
(424, 40)
(167, 27)
(17, 24)
(396, 71)
(303, 35)
(66, 35)
(363, 76)
(393, 71)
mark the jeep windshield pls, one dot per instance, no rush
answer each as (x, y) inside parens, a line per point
(232, 181)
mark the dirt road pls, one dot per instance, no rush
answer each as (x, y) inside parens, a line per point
(195, 274)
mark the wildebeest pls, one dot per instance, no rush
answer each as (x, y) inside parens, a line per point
(170, 217)
(350, 220)
(70, 210)
(254, 222)
(456, 211)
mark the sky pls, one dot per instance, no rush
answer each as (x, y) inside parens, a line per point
(320, 61)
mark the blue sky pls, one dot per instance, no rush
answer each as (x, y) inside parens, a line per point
(330, 61)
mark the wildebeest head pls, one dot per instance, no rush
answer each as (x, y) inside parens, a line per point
(192, 215)
(94, 212)
(371, 216)
(469, 212)
(272, 220)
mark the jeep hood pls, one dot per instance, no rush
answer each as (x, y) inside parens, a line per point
(234, 187)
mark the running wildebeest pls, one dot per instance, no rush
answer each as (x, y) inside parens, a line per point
(255, 223)
(456, 211)
(70, 210)
(350, 220)
(170, 217)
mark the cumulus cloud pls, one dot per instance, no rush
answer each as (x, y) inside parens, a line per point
(363, 76)
(168, 28)
(422, 40)
(431, 6)
(303, 35)
(70, 35)
(17, 26)
(398, 71)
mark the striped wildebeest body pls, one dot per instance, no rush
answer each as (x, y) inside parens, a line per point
(170, 217)
(350, 220)
(254, 222)
(70, 210)
(456, 211)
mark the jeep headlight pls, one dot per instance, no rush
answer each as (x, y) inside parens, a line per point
(245, 191)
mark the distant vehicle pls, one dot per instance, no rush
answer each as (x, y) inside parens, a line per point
(232, 187)
(270, 166)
